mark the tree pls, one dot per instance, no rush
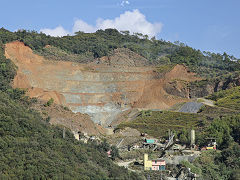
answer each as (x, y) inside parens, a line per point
(49, 102)
(114, 152)
(221, 131)
(184, 136)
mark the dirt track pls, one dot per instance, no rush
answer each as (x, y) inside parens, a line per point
(206, 101)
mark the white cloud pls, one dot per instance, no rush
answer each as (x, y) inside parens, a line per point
(80, 25)
(58, 31)
(123, 3)
(133, 21)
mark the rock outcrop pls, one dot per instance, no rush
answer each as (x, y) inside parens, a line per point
(206, 87)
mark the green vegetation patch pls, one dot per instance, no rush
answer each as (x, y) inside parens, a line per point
(229, 98)
(215, 112)
(157, 123)
(164, 68)
(219, 165)
(54, 53)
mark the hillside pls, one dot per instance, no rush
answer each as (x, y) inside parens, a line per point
(229, 98)
(93, 80)
(206, 87)
(33, 149)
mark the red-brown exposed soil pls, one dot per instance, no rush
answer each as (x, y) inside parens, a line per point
(116, 83)
(155, 95)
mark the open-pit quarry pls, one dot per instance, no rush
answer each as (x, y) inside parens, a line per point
(99, 89)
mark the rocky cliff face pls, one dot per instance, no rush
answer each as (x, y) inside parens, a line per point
(103, 88)
(207, 87)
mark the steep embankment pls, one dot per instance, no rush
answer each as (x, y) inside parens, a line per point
(103, 88)
(59, 115)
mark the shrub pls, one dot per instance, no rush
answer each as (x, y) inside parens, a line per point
(49, 102)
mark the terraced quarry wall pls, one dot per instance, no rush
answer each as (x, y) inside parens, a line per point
(100, 90)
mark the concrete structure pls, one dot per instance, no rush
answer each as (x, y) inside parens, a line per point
(147, 163)
(192, 137)
(156, 165)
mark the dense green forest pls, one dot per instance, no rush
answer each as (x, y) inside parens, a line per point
(224, 163)
(84, 47)
(218, 165)
(30, 148)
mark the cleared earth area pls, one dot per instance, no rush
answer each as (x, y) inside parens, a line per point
(102, 89)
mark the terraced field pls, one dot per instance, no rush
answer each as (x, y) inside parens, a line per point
(155, 123)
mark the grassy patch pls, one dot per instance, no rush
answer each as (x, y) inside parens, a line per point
(54, 53)
(215, 112)
(200, 101)
(229, 98)
(157, 123)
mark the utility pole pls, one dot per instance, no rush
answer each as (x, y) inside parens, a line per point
(64, 133)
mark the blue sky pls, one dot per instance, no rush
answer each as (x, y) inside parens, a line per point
(210, 25)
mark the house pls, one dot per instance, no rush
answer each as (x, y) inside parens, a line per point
(155, 165)
(158, 164)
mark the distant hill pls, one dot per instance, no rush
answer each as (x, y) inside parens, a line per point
(84, 47)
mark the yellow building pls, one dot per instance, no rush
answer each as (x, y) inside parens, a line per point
(147, 163)
(155, 164)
